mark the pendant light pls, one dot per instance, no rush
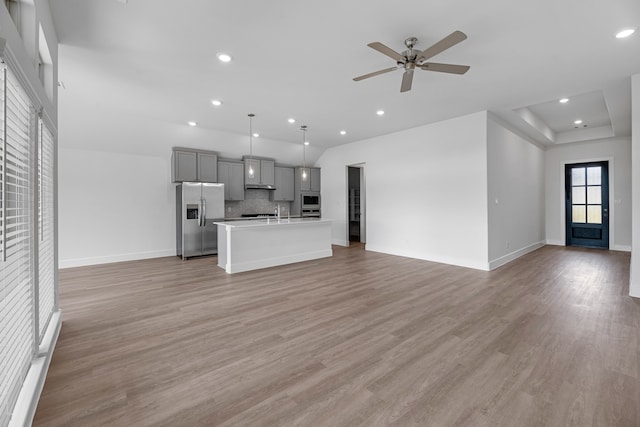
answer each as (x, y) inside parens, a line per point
(303, 128)
(251, 172)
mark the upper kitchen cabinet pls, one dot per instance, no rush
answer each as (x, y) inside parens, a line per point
(189, 165)
(314, 185)
(231, 174)
(184, 166)
(207, 167)
(251, 171)
(307, 179)
(268, 172)
(284, 184)
(259, 172)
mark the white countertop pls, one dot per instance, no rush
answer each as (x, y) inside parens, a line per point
(267, 222)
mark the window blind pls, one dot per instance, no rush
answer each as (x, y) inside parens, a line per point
(46, 290)
(16, 257)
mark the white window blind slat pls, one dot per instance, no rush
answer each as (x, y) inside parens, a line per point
(46, 284)
(16, 261)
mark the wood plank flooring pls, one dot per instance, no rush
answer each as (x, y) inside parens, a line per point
(551, 339)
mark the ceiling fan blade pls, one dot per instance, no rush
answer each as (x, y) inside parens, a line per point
(444, 44)
(407, 79)
(387, 51)
(445, 68)
(375, 73)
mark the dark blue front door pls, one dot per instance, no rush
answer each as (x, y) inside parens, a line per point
(587, 204)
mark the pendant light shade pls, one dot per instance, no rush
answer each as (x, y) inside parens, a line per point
(251, 171)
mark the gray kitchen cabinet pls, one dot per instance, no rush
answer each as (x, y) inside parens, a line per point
(309, 183)
(189, 165)
(284, 184)
(249, 165)
(263, 171)
(231, 174)
(268, 172)
(184, 166)
(207, 167)
(315, 179)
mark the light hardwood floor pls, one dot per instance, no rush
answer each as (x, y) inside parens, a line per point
(362, 338)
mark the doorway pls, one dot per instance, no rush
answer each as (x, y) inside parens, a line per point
(355, 204)
(587, 204)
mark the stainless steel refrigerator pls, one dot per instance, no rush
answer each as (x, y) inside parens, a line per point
(198, 206)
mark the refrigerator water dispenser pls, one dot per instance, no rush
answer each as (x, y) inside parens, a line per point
(192, 211)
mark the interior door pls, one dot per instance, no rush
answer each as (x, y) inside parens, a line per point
(354, 203)
(587, 204)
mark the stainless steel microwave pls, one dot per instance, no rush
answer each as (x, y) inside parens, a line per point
(310, 201)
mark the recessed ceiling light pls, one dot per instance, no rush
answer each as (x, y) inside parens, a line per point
(291, 120)
(256, 135)
(564, 100)
(306, 143)
(380, 112)
(216, 102)
(343, 132)
(192, 123)
(224, 57)
(625, 33)
(578, 121)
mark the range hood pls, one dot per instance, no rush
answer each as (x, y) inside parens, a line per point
(259, 187)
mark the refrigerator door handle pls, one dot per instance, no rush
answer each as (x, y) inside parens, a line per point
(204, 213)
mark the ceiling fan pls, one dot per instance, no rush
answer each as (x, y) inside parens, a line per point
(412, 58)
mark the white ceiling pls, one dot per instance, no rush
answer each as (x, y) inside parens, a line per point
(157, 59)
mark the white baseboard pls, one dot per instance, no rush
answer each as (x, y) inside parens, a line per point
(79, 262)
(513, 255)
(29, 396)
(339, 242)
(427, 257)
(554, 242)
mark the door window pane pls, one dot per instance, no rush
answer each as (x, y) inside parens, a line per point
(579, 213)
(594, 195)
(594, 175)
(594, 214)
(578, 196)
(578, 176)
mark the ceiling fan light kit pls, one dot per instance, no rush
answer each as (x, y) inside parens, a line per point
(412, 58)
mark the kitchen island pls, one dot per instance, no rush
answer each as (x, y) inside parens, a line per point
(251, 245)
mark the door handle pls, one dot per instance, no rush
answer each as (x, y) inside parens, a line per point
(204, 213)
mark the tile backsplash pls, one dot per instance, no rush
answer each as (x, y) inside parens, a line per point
(255, 202)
